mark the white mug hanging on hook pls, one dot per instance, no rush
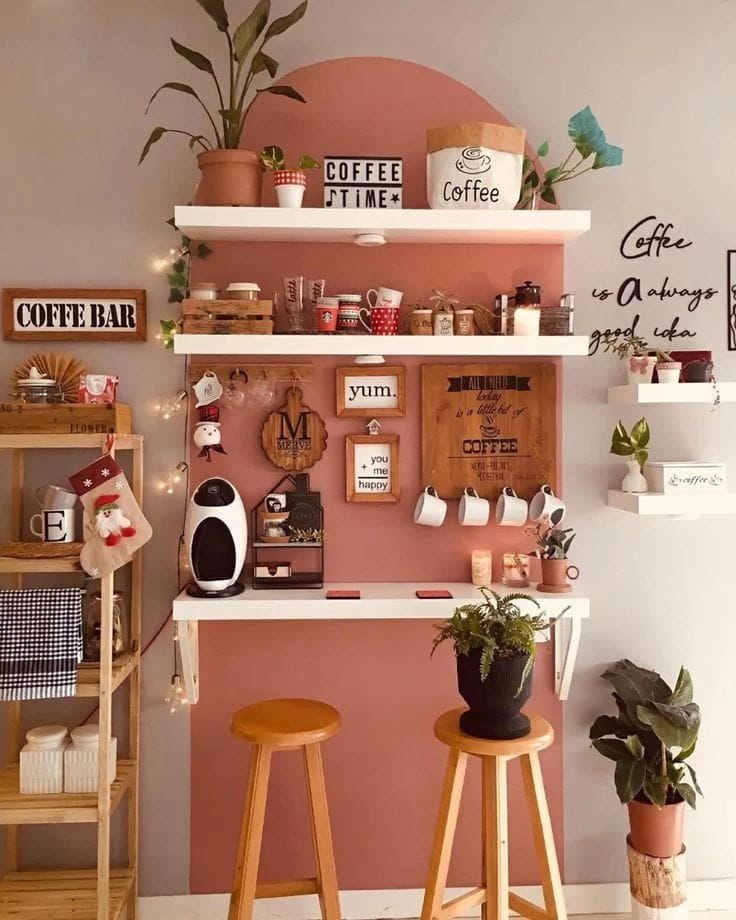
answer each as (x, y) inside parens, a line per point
(546, 507)
(511, 511)
(473, 511)
(208, 389)
(430, 509)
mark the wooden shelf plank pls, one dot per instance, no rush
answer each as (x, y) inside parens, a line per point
(42, 561)
(658, 503)
(674, 393)
(406, 225)
(64, 808)
(61, 894)
(88, 675)
(72, 441)
(484, 346)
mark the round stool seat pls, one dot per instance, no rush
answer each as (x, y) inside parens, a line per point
(284, 723)
(447, 730)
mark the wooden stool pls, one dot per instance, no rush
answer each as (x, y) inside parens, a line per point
(281, 725)
(493, 895)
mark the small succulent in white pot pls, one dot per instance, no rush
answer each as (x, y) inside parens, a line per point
(289, 181)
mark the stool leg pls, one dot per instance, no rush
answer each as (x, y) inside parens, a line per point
(324, 856)
(444, 834)
(544, 840)
(251, 835)
(496, 846)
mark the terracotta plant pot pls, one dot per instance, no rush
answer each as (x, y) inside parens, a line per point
(229, 177)
(555, 573)
(495, 706)
(657, 831)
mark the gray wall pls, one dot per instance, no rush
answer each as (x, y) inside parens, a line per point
(77, 211)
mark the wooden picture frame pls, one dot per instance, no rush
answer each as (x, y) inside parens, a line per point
(388, 396)
(74, 314)
(356, 455)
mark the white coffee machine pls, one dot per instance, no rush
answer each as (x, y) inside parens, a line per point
(216, 539)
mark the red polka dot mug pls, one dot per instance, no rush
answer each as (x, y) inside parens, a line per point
(381, 320)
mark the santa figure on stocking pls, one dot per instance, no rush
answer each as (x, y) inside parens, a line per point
(110, 522)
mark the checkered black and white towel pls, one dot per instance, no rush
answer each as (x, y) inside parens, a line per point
(40, 642)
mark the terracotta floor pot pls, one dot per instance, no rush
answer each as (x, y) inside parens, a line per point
(495, 706)
(229, 177)
(657, 831)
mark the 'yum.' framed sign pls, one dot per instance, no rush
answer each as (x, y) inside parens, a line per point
(74, 314)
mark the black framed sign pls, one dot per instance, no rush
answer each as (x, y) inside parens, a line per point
(74, 314)
(363, 182)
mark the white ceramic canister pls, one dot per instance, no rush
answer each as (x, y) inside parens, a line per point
(243, 290)
(81, 758)
(42, 760)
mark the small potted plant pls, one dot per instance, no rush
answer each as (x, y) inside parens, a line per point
(636, 352)
(495, 647)
(650, 741)
(443, 304)
(289, 181)
(634, 446)
(668, 371)
(552, 548)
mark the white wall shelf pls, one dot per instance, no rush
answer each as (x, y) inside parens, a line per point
(658, 503)
(347, 225)
(682, 393)
(378, 601)
(485, 346)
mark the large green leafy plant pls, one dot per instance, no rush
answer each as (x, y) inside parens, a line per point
(632, 444)
(652, 737)
(589, 141)
(496, 626)
(247, 61)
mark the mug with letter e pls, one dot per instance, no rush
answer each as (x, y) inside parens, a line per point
(56, 525)
(511, 511)
(430, 509)
(546, 507)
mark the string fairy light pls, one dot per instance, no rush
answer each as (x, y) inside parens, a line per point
(173, 478)
(168, 408)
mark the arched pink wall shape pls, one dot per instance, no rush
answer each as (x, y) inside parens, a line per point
(384, 770)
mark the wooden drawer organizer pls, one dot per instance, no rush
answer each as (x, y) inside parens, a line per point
(228, 317)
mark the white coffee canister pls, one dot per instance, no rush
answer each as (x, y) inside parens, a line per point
(81, 759)
(42, 761)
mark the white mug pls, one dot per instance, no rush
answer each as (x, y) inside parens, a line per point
(546, 507)
(57, 525)
(511, 511)
(473, 511)
(430, 509)
(54, 497)
(385, 297)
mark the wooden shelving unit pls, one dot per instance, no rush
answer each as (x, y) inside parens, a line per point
(102, 893)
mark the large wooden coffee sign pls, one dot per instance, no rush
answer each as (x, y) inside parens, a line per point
(74, 315)
(488, 426)
(294, 437)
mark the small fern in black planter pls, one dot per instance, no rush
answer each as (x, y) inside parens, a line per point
(495, 647)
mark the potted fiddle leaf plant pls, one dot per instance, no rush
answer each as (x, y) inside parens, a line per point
(650, 741)
(495, 646)
(289, 181)
(552, 548)
(231, 176)
(633, 445)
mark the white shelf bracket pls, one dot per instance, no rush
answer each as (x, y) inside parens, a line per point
(567, 642)
(187, 634)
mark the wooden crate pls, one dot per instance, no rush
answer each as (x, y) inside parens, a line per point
(228, 317)
(65, 418)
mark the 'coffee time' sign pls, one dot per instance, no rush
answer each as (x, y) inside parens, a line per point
(74, 315)
(363, 182)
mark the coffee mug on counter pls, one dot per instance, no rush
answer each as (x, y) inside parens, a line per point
(430, 509)
(53, 497)
(511, 511)
(473, 511)
(546, 507)
(56, 525)
(384, 297)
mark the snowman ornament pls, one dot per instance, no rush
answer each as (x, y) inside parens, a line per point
(207, 434)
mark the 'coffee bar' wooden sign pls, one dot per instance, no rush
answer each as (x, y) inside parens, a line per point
(489, 426)
(74, 315)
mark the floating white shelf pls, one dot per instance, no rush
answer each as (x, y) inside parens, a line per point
(639, 393)
(658, 503)
(379, 601)
(348, 225)
(485, 346)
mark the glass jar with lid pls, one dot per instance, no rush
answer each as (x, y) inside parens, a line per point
(37, 388)
(243, 290)
(204, 290)
(93, 625)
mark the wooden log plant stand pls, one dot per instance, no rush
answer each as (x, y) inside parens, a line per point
(100, 893)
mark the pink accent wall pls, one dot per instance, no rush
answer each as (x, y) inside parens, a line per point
(384, 770)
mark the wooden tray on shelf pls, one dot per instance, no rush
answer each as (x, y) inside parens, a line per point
(65, 418)
(227, 317)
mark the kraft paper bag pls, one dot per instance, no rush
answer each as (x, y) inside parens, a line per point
(474, 165)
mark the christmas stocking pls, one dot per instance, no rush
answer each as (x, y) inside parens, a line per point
(116, 526)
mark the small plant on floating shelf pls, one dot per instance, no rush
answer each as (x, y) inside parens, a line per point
(627, 345)
(588, 140)
(498, 627)
(632, 444)
(555, 542)
(443, 301)
(273, 158)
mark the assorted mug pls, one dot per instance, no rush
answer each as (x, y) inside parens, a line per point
(475, 511)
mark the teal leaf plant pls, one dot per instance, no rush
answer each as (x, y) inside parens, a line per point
(594, 152)
(247, 60)
(178, 275)
(632, 444)
(652, 737)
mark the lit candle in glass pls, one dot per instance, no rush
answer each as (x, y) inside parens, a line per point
(480, 567)
(516, 570)
(526, 321)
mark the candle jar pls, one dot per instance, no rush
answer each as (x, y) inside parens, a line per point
(526, 320)
(37, 388)
(42, 761)
(443, 323)
(92, 625)
(421, 322)
(481, 567)
(81, 758)
(464, 322)
(516, 570)
(204, 290)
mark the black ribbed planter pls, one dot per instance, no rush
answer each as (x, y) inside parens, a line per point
(495, 707)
